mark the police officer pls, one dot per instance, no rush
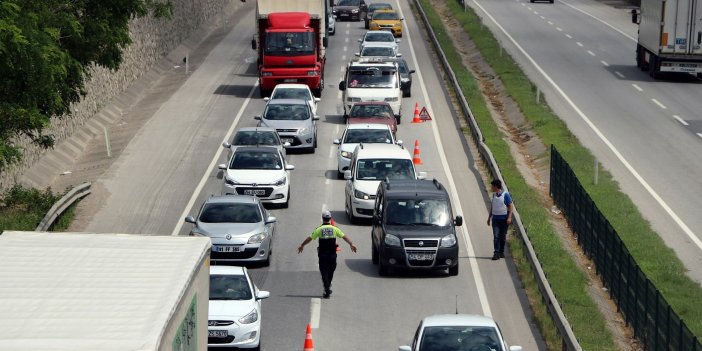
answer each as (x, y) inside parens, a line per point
(327, 234)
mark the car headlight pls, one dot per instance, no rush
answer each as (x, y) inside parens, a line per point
(267, 74)
(249, 318)
(392, 99)
(281, 181)
(346, 154)
(312, 73)
(257, 238)
(448, 240)
(361, 195)
(354, 11)
(353, 99)
(404, 80)
(230, 181)
(391, 240)
(303, 130)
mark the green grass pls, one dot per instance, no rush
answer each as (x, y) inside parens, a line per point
(663, 268)
(23, 209)
(568, 282)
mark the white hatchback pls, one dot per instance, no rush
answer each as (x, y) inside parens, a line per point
(295, 91)
(354, 134)
(234, 318)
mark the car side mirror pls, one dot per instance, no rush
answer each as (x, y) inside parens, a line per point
(325, 41)
(253, 44)
(358, 54)
(421, 175)
(262, 295)
(347, 174)
(258, 118)
(515, 348)
(289, 167)
(316, 118)
(412, 71)
(317, 99)
(337, 142)
(402, 19)
(266, 99)
(226, 145)
(398, 40)
(399, 142)
(222, 166)
(342, 85)
(399, 55)
(286, 144)
(458, 221)
(271, 219)
(190, 219)
(360, 40)
(405, 348)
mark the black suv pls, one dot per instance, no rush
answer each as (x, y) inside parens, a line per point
(414, 227)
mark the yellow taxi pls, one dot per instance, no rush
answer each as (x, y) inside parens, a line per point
(386, 20)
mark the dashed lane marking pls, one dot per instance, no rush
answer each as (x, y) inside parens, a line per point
(569, 36)
(659, 104)
(315, 312)
(579, 44)
(591, 53)
(619, 74)
(605, 63)
(682, 121)
(637, 87)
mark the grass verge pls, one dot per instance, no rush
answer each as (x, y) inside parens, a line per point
(23, 209)
(568, 282)
(663, 268)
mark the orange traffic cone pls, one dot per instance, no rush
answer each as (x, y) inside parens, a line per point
(309, 345)
(416, 159)
(416, 114)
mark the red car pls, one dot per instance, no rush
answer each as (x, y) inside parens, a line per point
(372, 112)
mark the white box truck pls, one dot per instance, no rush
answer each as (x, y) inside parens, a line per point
(80, 292)
(670, 36)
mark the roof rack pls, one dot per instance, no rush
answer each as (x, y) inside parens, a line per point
(437, 184)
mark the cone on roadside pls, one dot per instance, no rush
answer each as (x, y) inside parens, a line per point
(416, 114)
(309, 345)
(416, 159)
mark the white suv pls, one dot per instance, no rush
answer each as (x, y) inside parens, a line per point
(370, 164)
(372, 79)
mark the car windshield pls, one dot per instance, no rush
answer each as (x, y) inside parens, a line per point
(348, 3)
(432, 212)
(379, 6)
(256, 138)
(372, 78)
(229, 287)
(255, 160)
(279, 112)
(371, 111)
(460, 338)
(377, 51)
(230, 213)
(290, 44)
(379, 169)
(379, 36)
(385, 16)
(369, 136)
(291, 93)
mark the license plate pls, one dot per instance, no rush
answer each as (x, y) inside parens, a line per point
(219, 248)
(287, 140)
(254, 192)
(217, 333)
(420, 257)
(290, 80)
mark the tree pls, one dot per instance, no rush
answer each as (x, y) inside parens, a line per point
(46, 47)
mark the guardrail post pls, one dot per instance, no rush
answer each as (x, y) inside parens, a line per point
(597, 171)
(107, 142)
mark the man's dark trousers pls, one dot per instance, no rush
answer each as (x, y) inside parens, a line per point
(499, 232)
(327, 266)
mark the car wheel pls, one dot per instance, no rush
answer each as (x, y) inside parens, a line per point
(287, 201)
(406, 93)
(315, 141)
(453, 271)
(267, 262)
(383, 269)
(349, 213)
(399, 119)
(374, 254)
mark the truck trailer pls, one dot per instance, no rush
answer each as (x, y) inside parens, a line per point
(80, 292)
(291, 40)
(670, 36)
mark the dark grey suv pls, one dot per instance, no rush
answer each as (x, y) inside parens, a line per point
(414, 227)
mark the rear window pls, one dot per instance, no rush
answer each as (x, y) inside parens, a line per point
(229, 287)
(255, 138)
(429, 212)
(368, 136)
(460, 338)
(230, 213)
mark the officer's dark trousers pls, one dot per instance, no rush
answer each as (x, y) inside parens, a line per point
(327, 266)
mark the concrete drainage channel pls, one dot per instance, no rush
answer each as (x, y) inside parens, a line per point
(569, 340)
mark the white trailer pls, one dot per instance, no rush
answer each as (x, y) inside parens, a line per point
(670, 36)
(76, 292)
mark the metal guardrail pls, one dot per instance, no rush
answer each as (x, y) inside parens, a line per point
(570, 342)
(61, 205)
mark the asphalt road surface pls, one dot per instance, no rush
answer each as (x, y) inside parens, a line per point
(648, 133)
(170, 167)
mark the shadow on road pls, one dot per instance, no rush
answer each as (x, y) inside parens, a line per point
(241, 91)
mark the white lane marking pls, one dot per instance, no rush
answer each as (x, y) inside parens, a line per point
(659, 104)
(479, 285)
(343, 58)
(209, 168)
(602, 21)
(682, 121)
(529, 8)
(636, 87)
(597, 131)
(327, 181)
(331, 151)
(619, 74)
(549, 22)
(542, 17)
(324, 207)
(346, 40)
(342, 69)
(591, 53)
(569, 36)
(315, 312)
(536, 12)
(338, 95)
(336, 130)
(579, 43)
(523, 4)
(699, 135)
(348, 25)
(559, 29)
(347, 32)
(605, 63)
(345, 48)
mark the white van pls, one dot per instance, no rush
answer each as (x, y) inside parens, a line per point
(372, 79)
(371, 164)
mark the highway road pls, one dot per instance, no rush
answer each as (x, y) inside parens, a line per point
(170, 167)
(647, 133)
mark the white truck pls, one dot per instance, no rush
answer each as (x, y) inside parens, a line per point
(670, 36)
(80, 292)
